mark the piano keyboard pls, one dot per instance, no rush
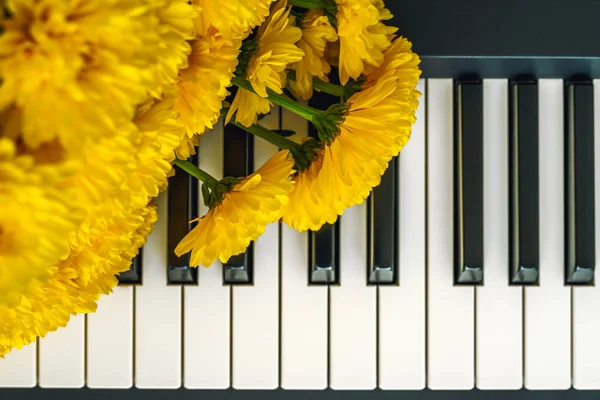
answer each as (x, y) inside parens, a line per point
(470, 266)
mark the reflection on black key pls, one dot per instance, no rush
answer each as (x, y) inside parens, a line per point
(382, 222)
(133, 276)
(468, 182)
(323, 255)
(524, 185)
(238, 162)
(182, 208)
(579, 183)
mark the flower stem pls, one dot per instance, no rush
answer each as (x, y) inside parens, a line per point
(269, 136)
(322, 86)
(310, 4)
(196, 172)
(305, 112)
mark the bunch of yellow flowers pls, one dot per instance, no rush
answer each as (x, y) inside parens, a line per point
(99, 98)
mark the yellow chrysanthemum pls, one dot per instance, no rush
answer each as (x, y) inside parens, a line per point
(316, 33)
(377, 126)
(233, 18)
(242, 215)
(363, 37)
(77, 70)
(202, 86)
(77, 282)
(277, 48)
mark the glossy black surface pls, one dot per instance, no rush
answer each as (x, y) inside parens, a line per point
(382, 225)
(238, 162)
(468, 182)
(523, 183)
(133, 276)
(580, 253)
(182, 208)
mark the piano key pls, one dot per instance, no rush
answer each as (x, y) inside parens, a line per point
(110, 341)
(323, 255)
(18, 369)
(524, 185)
(207, 306)
(402, 308)
(255, 309)
(547, 308)
(61, 362)
(353, 310)
(133, 276)
(586, 299)
(157, 314)
(579, 229)
(238, 162)
(182, 208)
(450, 319)
(382, 222)
(468, 182)
(304, 308)
(499, 317)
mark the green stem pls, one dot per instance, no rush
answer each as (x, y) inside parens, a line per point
(322, 86)
(269, 136)
(310, 4)
(196, 172)
(305, 112)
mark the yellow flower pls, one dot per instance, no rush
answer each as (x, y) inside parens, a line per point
(277, 48)
(77, 282)
(202, 86)
(242, 215)
(363, 37)
(374, 130)
(233, 17)
(316, 33)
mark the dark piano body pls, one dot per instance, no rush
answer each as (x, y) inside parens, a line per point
(455, 38)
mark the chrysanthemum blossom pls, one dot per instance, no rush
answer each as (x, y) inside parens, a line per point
(276, 48)
(317, 32)
(233, 18)
(363, 37)
(242, 215)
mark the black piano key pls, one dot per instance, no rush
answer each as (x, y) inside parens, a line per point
(133, 276)
(323, 255)
(382, 222)
(524, 184)
(238, 162)
(580, 233)
(182, 208)
(468, 182)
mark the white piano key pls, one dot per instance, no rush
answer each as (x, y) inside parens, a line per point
(499, 338)
(586, 299)
(450, 319)
(207, 307)
(157, 314)
(255, 309)
(18, 369)
(402, 308)
(547, 308)
(304, 309)
(62, 356)
(110, 341)
(353, 310)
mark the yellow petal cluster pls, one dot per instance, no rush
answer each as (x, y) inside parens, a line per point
(233, 18)
(317, 32)
(277, 38)
(242, 215)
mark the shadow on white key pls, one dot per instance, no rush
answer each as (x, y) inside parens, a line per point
(255, 309)
(304, 308)
(450, 337)
(402, 308)
(110, 341)
(548, 307)
(353, 310)
(586, 299)
(62, 356)
(207, 307)
(158, 314)
(499, 338)
(18, 368)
